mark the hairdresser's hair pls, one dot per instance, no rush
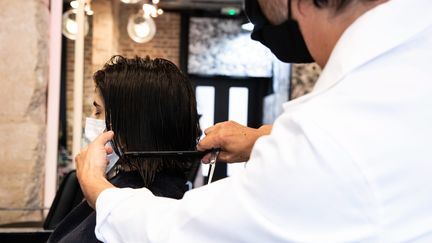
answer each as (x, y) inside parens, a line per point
(278, 8)
(150, 105)
(335, 4)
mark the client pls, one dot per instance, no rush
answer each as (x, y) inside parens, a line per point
(150, 106)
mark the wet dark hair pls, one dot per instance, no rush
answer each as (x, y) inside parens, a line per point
(150, 105)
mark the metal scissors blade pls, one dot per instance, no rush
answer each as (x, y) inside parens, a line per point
(213, 159)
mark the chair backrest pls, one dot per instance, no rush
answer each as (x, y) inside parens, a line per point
(67, 197)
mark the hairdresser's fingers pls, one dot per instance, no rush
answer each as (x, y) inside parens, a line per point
(108, 149)
(210, 129)
(217, 136)
(206, 158)
(103, 138)
(225, 157)
(91, 165)
(79, 158)
(92, 160)
(209, 142)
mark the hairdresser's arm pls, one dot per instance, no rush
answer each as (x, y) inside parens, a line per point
(235, 140)
(277, 198)
(91, 176)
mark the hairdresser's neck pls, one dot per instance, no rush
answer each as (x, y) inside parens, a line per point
(323, 27)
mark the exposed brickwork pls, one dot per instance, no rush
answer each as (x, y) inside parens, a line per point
(165, 44)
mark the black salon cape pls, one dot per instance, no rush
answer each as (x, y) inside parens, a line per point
(79, 224)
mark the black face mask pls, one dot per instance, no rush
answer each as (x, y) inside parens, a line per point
(284, 40)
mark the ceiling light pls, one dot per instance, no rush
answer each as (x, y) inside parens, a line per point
(141, 28)
(87, 8)
(70, 26)
(149, 10)
(74, 4)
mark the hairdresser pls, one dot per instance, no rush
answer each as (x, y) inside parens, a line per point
(349, 162)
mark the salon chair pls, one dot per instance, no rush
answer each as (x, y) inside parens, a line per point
(67, 197)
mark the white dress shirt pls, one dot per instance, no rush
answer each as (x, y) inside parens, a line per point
(350, 162)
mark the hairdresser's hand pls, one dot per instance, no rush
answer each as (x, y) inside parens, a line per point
(91, 163)
(236, 141)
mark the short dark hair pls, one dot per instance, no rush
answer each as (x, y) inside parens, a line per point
(150, 105)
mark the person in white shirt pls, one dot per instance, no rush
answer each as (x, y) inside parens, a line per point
(349, 162)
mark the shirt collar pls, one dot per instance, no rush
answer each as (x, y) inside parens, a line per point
(377, 31)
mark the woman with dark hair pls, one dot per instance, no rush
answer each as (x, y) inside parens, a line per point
(150, 106)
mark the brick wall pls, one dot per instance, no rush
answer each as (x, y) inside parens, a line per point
(165, 44)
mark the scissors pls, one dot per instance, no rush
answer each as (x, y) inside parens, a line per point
(213, 159)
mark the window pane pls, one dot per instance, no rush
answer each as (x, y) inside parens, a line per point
(238, 112)
(205, 96)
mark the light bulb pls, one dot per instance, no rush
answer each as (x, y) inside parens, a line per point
(70, 26)
(149, 10)
(141, 28)
(74, 4)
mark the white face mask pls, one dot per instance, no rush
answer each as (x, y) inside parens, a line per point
(94, 128)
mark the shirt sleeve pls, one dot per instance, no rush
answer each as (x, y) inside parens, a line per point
(291, 190)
